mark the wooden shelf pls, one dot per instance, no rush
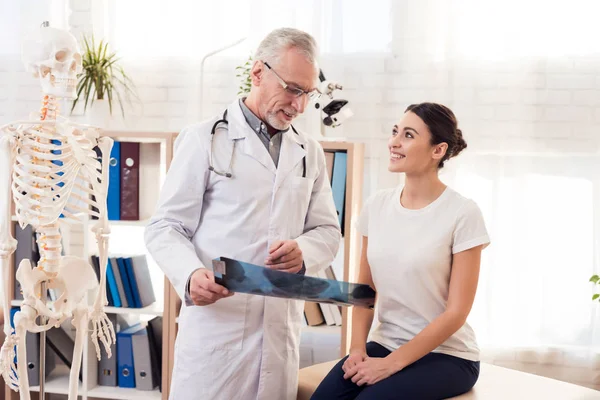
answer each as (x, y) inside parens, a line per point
(57, 382)
(110, 392)
(323, 329)
(153, 309)
(129, 223)
(157, 151)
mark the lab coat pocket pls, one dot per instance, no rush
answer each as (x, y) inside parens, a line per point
(219, 326)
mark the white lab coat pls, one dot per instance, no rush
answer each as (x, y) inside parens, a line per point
(242, 347)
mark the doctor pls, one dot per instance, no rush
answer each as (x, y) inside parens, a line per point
(248, 186)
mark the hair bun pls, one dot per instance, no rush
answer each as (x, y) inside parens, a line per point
(460, 143)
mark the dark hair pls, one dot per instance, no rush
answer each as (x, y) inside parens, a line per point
(443, 127)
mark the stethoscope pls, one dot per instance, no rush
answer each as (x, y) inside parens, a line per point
(228, 174)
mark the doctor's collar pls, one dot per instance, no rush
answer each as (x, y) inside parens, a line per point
(256, 123)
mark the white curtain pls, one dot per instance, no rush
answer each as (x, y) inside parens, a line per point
(506, 69)
(533, 309)
(521, 79)
(184, 29)
(18, 19)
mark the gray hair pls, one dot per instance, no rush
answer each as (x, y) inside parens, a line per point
(275, 43)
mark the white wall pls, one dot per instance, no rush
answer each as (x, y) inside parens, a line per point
(542, 105)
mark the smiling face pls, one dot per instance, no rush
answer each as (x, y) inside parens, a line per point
(276, 105)
(411, 148)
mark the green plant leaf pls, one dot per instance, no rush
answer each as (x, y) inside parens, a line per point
(102, 77)
(597, 295)
(594, 278)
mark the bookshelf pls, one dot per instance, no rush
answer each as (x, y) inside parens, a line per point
(156, 149)
(156, 152)
(351, 240)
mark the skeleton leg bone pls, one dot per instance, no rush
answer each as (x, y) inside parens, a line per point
(80, 321)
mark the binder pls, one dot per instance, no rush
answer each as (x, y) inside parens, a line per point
(145, 377)
(135, 289)
(125, 361)
(150, 166)
(62, 345)
(338, 185)
(141, 272)
(59, 163)
(329, 157)
(130, 180)
(119, 281)
(113, 197)
(32, 345)
(112, 284)
(313, 314)
(126, 282)
(26, 249)
(107, 367)
(154, 329)
(99, 158)
(96, 264)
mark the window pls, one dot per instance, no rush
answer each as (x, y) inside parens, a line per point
(151, 29)
(19, 18)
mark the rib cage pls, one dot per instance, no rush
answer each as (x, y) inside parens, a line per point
(53, 175)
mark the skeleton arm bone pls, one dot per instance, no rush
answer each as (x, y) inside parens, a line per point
(102, 327)
(11, 125)
(8, 244)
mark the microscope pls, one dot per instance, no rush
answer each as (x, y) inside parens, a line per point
(335, 110)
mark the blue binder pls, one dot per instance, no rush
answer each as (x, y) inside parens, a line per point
(113, 198)
(126, 282)
(338, 184)
(112, 284)
(125, 364)
(13, 311)
(135, 292)
(59, 163)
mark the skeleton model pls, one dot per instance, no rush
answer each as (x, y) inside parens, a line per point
(54, 172)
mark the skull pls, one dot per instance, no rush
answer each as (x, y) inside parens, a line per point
(53, 55)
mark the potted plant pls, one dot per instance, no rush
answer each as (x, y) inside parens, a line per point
(102, 79)
(244, 75)
(596, 280)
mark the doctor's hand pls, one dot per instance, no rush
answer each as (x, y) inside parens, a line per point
(285, 255)
(204, 290)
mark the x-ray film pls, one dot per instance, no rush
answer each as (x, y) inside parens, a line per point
(243, 277)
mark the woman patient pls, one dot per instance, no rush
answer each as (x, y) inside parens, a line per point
(421, 251)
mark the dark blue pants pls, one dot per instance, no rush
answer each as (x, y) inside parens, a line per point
(435, 376)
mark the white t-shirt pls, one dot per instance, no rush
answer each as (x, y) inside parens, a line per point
(410, 255)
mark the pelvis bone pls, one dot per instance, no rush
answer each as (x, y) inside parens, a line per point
(73, 280)
(75, 277)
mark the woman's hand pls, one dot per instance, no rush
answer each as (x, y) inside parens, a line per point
(371, 371)
(354, 358)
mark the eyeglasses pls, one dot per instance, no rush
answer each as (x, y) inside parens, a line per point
(293, 90)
